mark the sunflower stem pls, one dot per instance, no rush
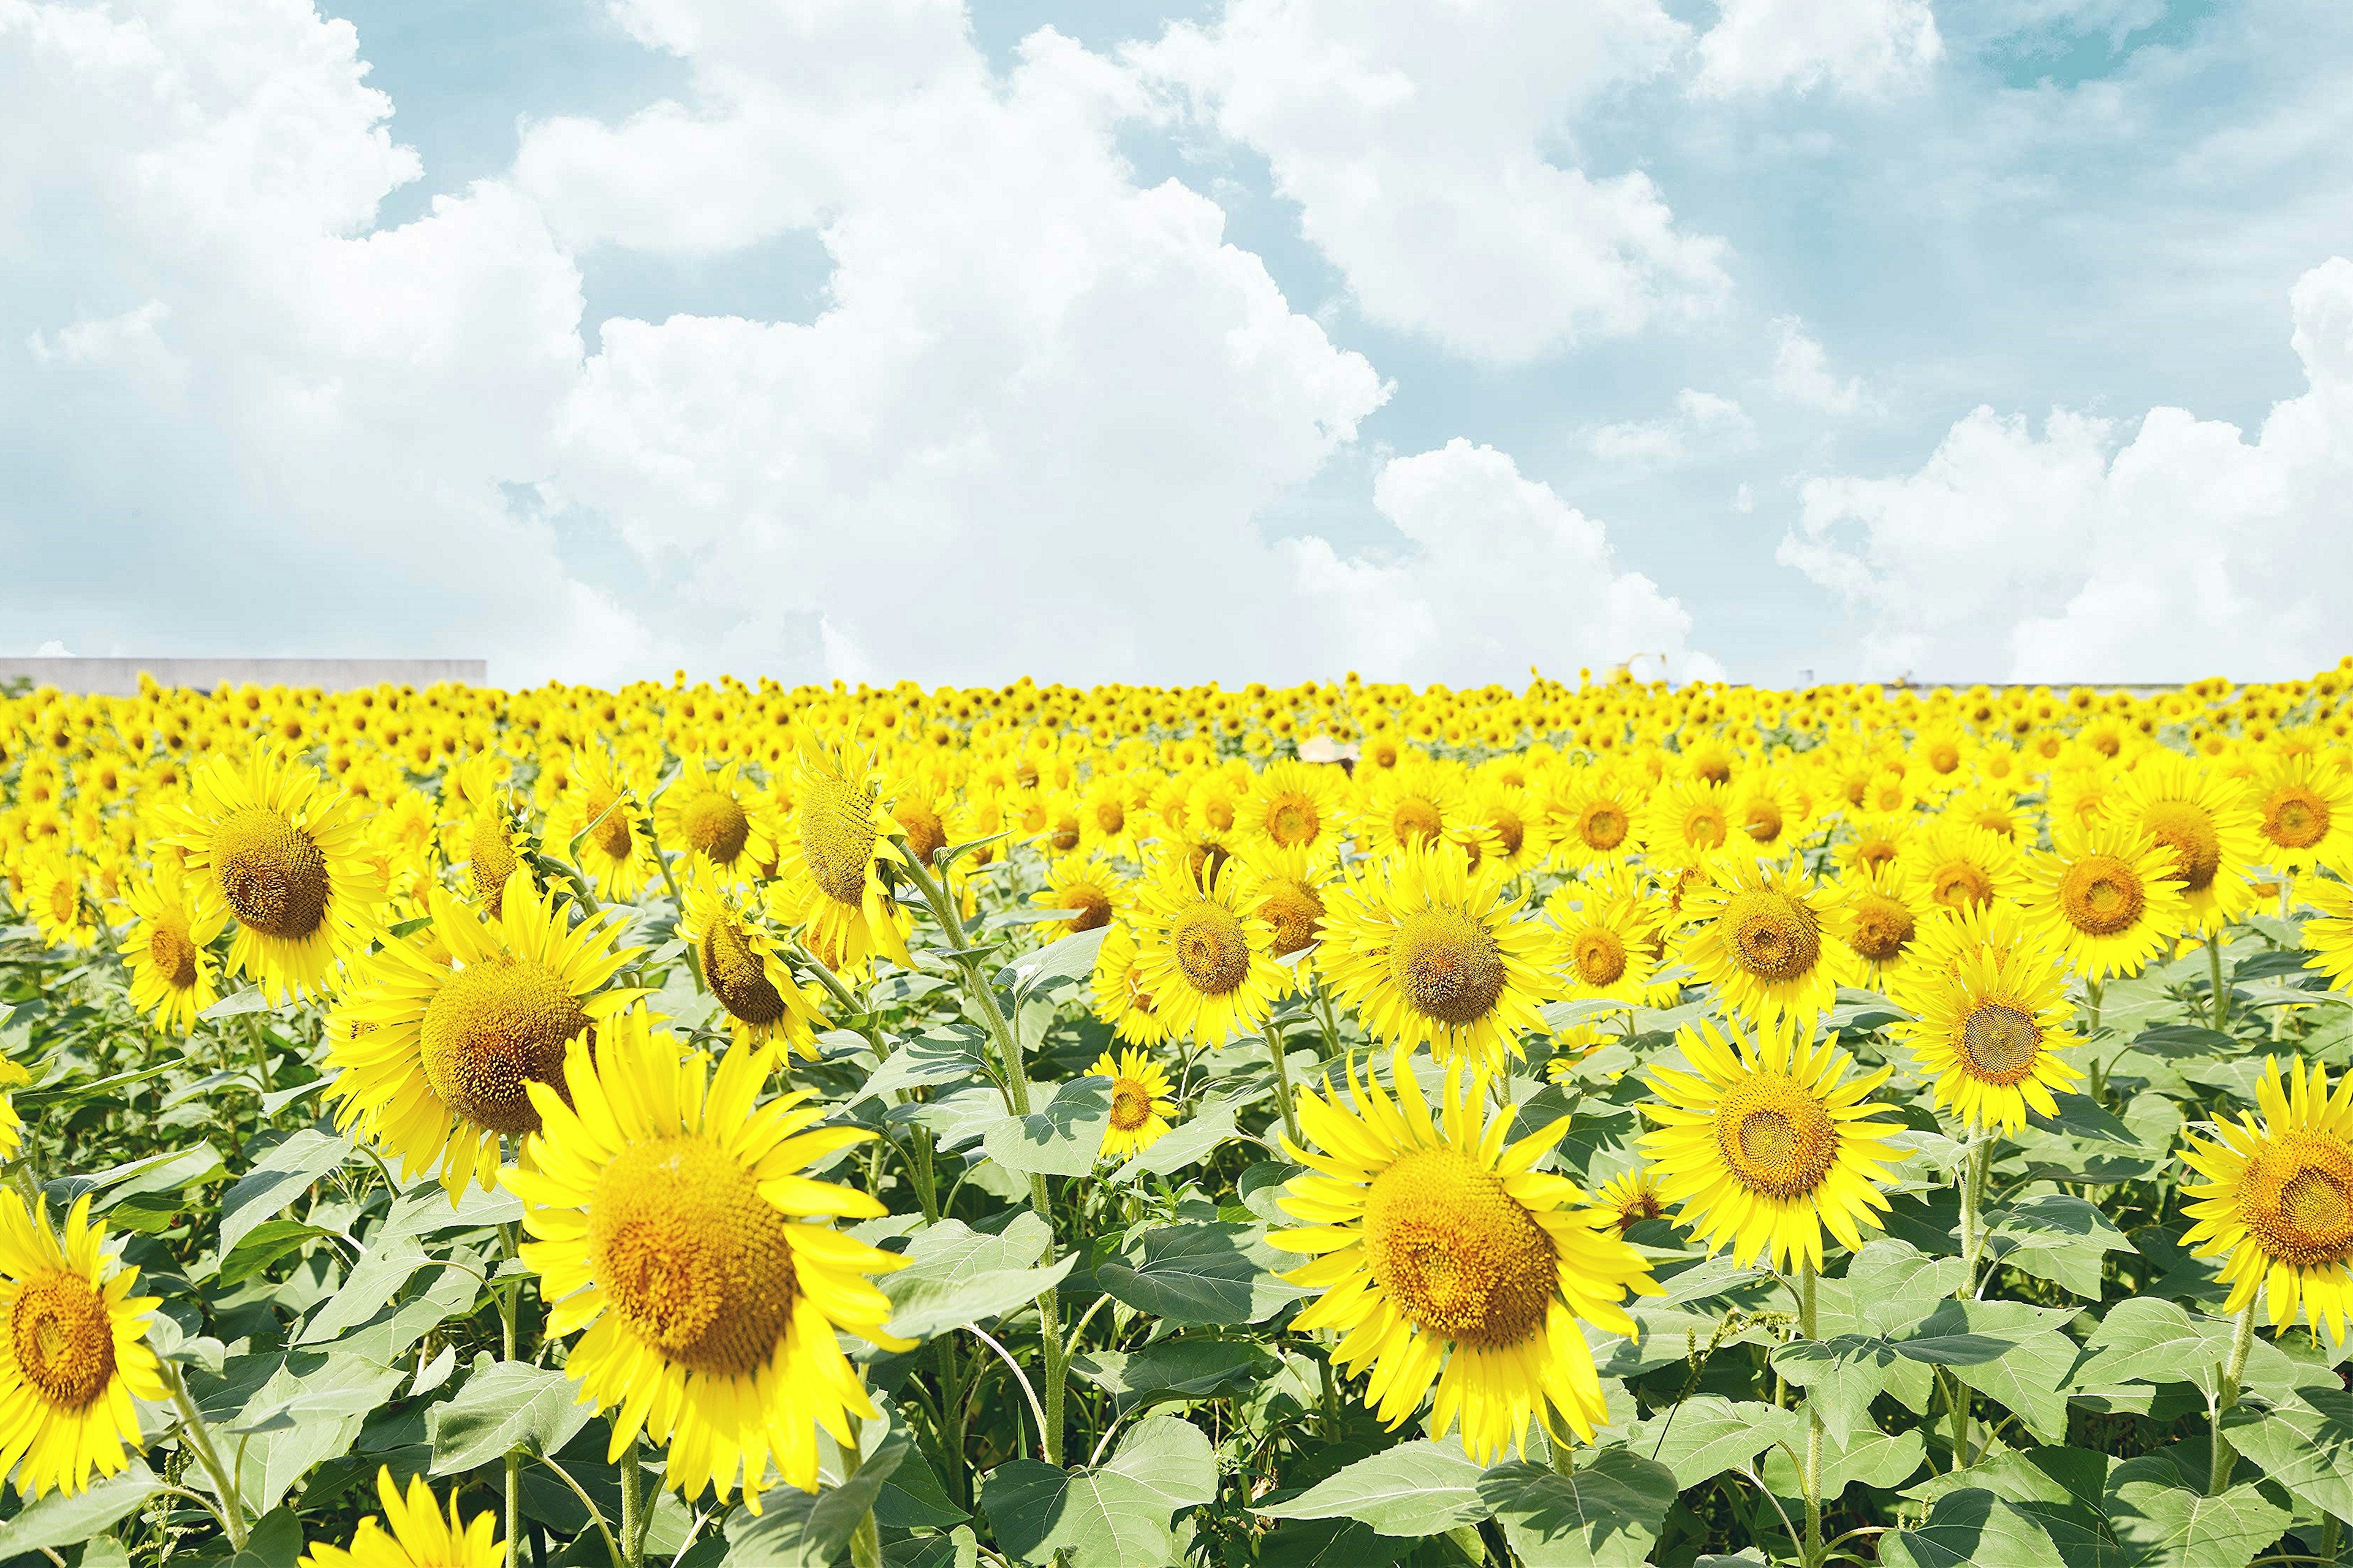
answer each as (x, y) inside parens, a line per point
(1812, 1479)
(1283, 1087)
(200, 1439)
(693, 959)
(510, 1306)
(1973, 1183)
(2224, 1457)
(633, 1505)
(865, 1539)
(2218, 1002)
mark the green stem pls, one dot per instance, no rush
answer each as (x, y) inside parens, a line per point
(865, 1540)
(1973, 1183)
(1282, 1087)
(1811, 1479)
(2218, 1005)
(2328, 1533)
(510, 1305)
(2243, 1340)
(693, 959)
(633, 1506)
(200, 1439)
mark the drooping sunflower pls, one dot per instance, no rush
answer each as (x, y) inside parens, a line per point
(1956, 863)
(1205, 953)
(1593, 814)
(54, 897)
(830, 855)
(741, 965)
(1088, 889)
(1292, 885)
(1298, 806)
(434, 1061)
(1427, 947)
(1686, 823)
(668, 1220)
(2278, 1198)
(1766, 1141)
(2196, 813)
(1607, 943)
(2109, 897)
(713, 819)
(1632, 1197)
(418, 1536)
(1142, 1106)
(2304, 814)
(1444, 1257)
(491, 838)
(75, 1360)
(1990, 1016)
(1121, 999)
(1513, 834)
(1878, 916)
(1757, 935)
(617, 854)
(169, 948)
(268, 846)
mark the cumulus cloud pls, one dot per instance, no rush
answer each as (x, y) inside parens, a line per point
(1802, 372)
(1704, 425)
(1417, 148)
(1867, 48)
(2076, 554)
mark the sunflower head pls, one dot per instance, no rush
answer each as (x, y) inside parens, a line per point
(1141, 1106)
(1758, 935)
(414, 1530)
(2109, 896)
(1991, 1011)
(2277, 1198)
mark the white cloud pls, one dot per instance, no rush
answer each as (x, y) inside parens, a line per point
(1802, 372)
(1501, 573)
(2065, 556)
(1868, 47)
(1419, 148)
(1703, 425)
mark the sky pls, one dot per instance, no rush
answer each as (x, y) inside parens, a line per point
(1773, 341)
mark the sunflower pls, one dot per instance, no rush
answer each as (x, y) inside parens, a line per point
(1991, 1016)
(12, 1126)
(1445, 1257)
(1607, 943)
(668, 1220)
(1298, 806)
(1513, 833)
(1417, 804)
(171, 968)
(2197, 814)
(435, 1060)
(1766, 1141)
(75, 1360)
(418, 1537)
(270, 848)
(2328, 936)
(832, 853)
(1292, 885)
(2278, 1198)
(1121, 1000)
(1090, 891)
(741, 965)
(1592, 814)
(1878, 915)
(53, 892)
(1630, 1197)
(1428, 948)
(1876, 843)
(1765, 812)
(1109, 816)
(1205, 953)
(1757, 937)
(491, 840)
(2305, 816)
(1956, 863)
(1140, 1103)
(708, 815)
(2110, 896)
(1686, 823)
(616, 853)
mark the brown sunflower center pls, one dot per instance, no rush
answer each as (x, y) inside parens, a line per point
(1602, 826)
(610, 815)
(492, 1028)
(1091, 906)
(1773, 936)
(1415, 820)
(1295, 911)
(1292, 819)
(2295, 1198)
(173, 949)
(1130, 1104)
(1882, 927)
(1600, 955)
(1871, 853)
(838, 839)
(2101, 895)
(1960, 885)
(1509, 832)
(271, 872)
(1998, 1043)
(1776, 1138)
(2187, 829)
(926, 834)
(63, 1339)
(736, 975)
(2295, 817)
(715, 825)
(1211, 948)
(1111, 816)
(691, 1257)
(1459, 1255)
(1763, 821)
(1703, 828)
(1448, 964)
(1641, 1205)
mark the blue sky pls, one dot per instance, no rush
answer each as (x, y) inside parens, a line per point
(1139, 349)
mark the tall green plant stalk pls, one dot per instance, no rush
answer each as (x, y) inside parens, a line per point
(1811, 1477)
(2223, 1457)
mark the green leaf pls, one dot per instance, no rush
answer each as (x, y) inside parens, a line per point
(1195, 1138)
(277, 1179)
(1197, 1273)
(1175, 1369)
(1062, 1137)
(2146, 1339)
(1707, 1434)
(924, 1307)
(503, 1406)
(1895, 1285)
(1840, 1377)
(811, 1529)
(1972, 1528)
(262, 1246)
(2083, 1116)
(2059, 1237)
(2304, 1444)
(952, 1054)
(2176, 1041)
(1422, 1487)
(2159, 1523)
(309, 1408)
(1328, 1543)
(1070, 957)
(60, 1519)
(912, 1498)
(1873, 1458)
(1116, 1516)
(1603, 1514)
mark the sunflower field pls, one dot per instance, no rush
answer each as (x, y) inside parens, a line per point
(1335, 1127)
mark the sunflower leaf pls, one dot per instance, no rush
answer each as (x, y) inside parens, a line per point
(277, 1179)
(2159, 1523)
(1062, 1138)
(503, 1405)
(1197, 1273)
(1603, 1514)
(61, 1519)
(1422, 1487)
(2304, 1444)
(1974, 1528)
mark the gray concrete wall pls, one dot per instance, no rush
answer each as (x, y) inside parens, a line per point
(120, 676)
